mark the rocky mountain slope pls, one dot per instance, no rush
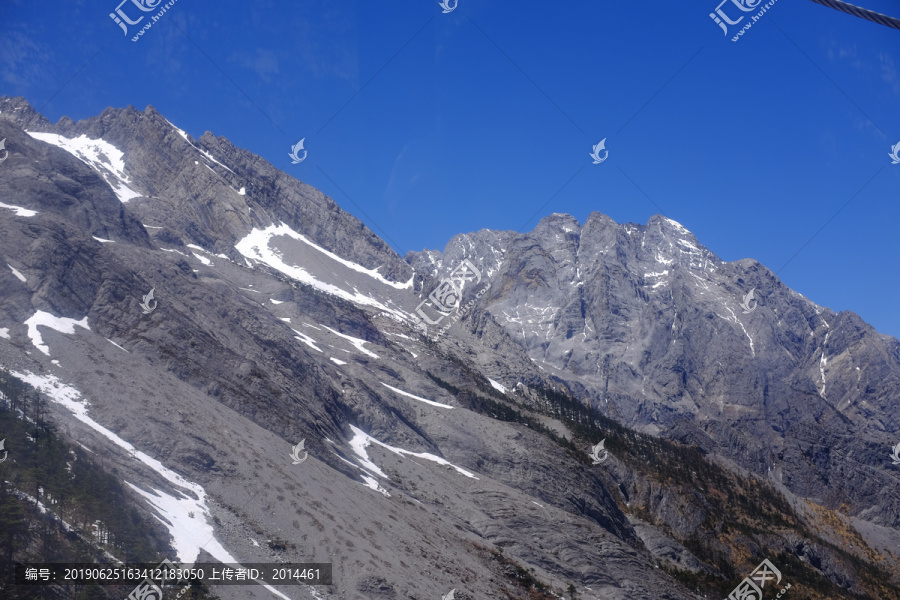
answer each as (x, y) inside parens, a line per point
(738, 426)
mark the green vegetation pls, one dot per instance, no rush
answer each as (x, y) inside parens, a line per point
(73, 486)
(739, 511)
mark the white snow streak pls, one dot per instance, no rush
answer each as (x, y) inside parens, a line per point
(361, 440)
(358, 343)
(16, 273)
(256, 246)
(282, 229)
(497, 386)
(116, 345)
(419, 398)
(103, 157)
(306, 340)
(187, 532)
(20, 212)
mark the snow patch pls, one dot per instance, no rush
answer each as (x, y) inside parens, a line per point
(357, 343)
(497, 386)
(677, 225)
(186, 532)
(337, 361)
(116, 345)
(20, 212)
(306, 340)
(103, 157)
(361, 440)
(45, 319)
(4, 333)
(102, 241)
(276, 302)
(184, 135)
(260, 238)
(202, 259)
(419, 398)
(371, 482)
(18, 275)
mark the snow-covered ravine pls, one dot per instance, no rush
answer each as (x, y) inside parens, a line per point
(256, 246)
(414, 397)
(361, 440)
(189, 534)
(282, 229)
(103, 157)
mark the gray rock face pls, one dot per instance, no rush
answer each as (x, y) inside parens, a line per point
(442, 461)
(651, 325)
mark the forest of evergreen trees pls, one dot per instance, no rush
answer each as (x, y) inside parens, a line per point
(72, 486)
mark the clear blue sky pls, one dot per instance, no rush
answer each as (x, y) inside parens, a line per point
(435, 124)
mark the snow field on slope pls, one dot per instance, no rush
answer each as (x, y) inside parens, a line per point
(18, 210)
(256, 246)
(45, 319)
(101, 156)
(187, 532)
(361, 440)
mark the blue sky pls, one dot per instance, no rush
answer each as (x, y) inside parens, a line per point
(425, 124)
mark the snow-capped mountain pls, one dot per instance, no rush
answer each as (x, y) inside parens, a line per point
(445, 451)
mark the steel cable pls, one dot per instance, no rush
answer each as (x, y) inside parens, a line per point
(860, 12)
